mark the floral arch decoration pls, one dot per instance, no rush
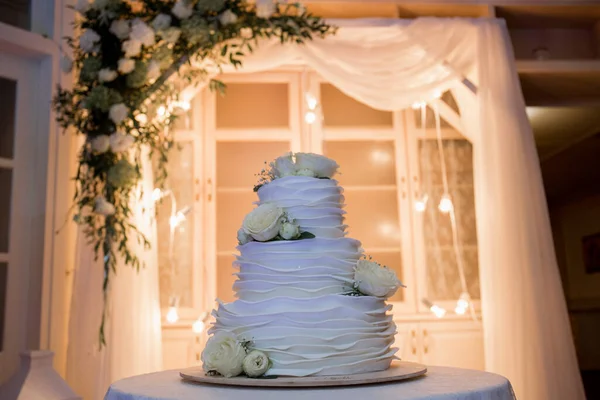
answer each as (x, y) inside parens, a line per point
(124, 100)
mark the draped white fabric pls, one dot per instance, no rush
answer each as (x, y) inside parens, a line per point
(133, 326)
(388, 65)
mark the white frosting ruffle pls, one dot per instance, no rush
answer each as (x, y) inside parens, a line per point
(326, 335)
(295, 268)
(315, 204)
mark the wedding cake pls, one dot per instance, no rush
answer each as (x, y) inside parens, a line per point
(308, 301)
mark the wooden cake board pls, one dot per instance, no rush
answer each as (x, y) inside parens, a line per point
(398, 371)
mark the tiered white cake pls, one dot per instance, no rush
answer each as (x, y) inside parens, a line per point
(311, 304)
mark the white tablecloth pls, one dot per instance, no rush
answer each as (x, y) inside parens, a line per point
(440, 383)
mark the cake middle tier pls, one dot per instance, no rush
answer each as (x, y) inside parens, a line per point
(295, 268)
(316, 204)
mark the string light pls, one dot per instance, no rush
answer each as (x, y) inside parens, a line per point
(172, 315)
(310, 117)
(181, 105)
(462, 304)
(418, 104)
(179, 217)
(161, 111)
(311, 101)
(438, 311)
(445, 205)
(437, 94)
(198, 326)
(421, 204)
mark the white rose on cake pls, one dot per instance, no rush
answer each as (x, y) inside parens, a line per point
(256, 364)
(321, 166)
(263, 222)
(283, 166)
(243, 237)
(224, 354)
(289, 230)
(372, 279)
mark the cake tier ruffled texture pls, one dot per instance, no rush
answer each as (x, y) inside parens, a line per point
(290, 293)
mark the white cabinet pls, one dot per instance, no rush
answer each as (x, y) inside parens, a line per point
(442, 343)
(388, 162)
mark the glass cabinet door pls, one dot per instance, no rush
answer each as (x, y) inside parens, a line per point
(368, 145)
(254, 123)
(441, 246)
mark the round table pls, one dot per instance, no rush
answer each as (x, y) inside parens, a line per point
(440, 383)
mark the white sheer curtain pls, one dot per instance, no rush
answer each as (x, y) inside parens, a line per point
(389, 64)
(133, 326)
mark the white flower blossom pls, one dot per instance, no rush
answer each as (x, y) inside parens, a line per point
(306, 172)
(126, 65)
(131, 48)
(256, 364)
(263, 222)
(142, 33)
(224, 354)
(118, 113)
(88, 40)
(120, 142)
(265, 8)
(171, 35)
(243, 237)
(103, 206)
(228, 17)
(182, 9)
(283, 166)
(161, 22)
(100, 144)
(289, 231)
(153, 71)
(82, 6)
(120, 28)
(322, 166)
(66, 64)
(107, 75)
(372, 279)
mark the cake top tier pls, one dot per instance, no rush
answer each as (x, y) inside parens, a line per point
(297, 164)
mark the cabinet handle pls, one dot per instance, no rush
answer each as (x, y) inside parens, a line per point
(209, 189)
(425, 342)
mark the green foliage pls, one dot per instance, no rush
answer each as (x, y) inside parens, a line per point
(193, 48)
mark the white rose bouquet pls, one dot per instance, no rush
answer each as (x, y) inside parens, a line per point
(298, 164)
(269, 222)
(372, 279)
(263, 222)
(224, 354)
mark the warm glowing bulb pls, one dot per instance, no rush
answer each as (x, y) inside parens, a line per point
(183, 105)
(172, 315)
(161, 111)
(438, 311)
(460, 310)
(437, 94)
(198, 326)
(141, 118)
(416, 105)
(310, 117)
(157, 194)
(445, 205)
(421, 204)
(311, 101)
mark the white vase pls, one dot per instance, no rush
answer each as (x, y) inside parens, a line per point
(36, 379)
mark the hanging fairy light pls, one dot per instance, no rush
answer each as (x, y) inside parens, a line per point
(179, 217)
(462, 305)
(172, 314)
(311, 101)
(200, 324)
(141, 118)
(421, 203)
(445, 204)
(438, 311)
(310, 117)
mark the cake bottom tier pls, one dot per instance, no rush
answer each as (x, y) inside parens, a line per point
(327, 335)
